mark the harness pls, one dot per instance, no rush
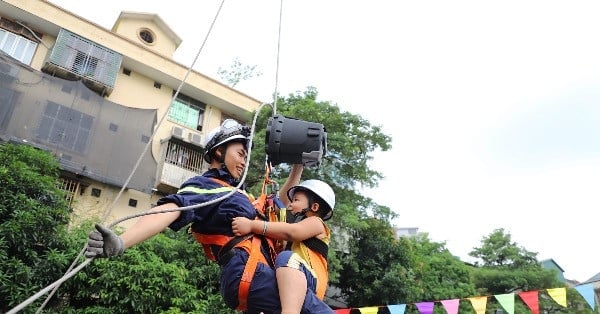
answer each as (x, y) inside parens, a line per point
(220, 248)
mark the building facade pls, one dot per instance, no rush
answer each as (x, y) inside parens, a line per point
(108, 104)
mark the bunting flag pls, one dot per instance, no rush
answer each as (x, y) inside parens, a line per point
(425, 307)
(507, 301)
(559, 295)
(451, 306)
(369, 310)
(531, 299)
(587, 292)
(397, 308)
(479, 304)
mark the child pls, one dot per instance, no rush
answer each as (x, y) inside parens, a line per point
(304, 266)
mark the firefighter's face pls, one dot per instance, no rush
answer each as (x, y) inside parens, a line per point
(235, 159)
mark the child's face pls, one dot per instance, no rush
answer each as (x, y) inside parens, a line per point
(299, 202)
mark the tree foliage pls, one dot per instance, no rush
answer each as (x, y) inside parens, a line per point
(497, 250)
(237, 73)
(167, 273)
(379, 269)
(34, 246)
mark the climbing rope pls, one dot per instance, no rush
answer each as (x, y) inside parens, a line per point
(72, 270)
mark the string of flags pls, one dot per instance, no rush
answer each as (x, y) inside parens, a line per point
(507, 301)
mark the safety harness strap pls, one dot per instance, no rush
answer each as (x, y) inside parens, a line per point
(248, 274)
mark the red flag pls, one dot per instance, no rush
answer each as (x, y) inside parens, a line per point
(531, 299)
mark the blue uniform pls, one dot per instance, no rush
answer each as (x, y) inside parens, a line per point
(215, 219)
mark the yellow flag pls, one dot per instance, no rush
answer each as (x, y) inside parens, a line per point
(369, 310)
(479, 304)
(559, 295)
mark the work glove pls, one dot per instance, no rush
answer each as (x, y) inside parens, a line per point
(103, 242)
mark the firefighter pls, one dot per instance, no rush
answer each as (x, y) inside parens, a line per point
(247, 279)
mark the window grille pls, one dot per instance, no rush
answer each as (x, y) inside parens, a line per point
(71, 188)
(85, 58)
(183, 157)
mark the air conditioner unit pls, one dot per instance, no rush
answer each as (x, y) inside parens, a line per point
(177, 132)
(195, 138)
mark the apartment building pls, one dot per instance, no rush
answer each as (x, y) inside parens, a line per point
(102, 100)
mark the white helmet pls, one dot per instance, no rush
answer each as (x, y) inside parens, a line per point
(319, 188)
(230, 130)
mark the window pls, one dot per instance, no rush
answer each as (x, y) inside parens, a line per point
(65, 127)
(132, 202)
(83, 57)
(96, 192)
(188, 112)
(183, 157)
(71, 187)
(146, 35)
(17, 46)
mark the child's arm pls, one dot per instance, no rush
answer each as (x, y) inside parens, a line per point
(302, 230)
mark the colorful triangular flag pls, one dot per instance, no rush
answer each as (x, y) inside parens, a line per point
(397, 308)
(425, 307)
(479, 304)
(531, 299)
(451, 306)
(559, 295)
(507, 301)
(369, 310)
(587, 292)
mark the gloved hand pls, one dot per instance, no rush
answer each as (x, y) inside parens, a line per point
(103, 242)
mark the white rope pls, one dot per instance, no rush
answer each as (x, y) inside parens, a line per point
(275, 93)
(146, 148)
(72, 271)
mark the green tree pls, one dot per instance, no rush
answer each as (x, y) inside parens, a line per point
(351, 140)
(34, 245)
(506, 267)
(165, 274)
(497, 250)
(379, 268)
(441, 275)
(237, 72)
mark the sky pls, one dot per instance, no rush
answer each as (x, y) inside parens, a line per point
(493, 106)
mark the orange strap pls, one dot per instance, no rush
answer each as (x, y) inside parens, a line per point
(248, 274)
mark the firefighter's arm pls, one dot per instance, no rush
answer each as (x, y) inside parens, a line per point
(302, 230)
(150, 225)
(293, 179)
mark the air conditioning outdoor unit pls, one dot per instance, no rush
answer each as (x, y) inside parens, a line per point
(177, 132)
(195, 138)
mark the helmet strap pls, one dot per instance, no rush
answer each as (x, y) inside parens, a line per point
(301, 215)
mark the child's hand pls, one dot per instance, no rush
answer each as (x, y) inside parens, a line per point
(241, 226)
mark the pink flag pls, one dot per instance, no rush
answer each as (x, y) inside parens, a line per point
(451, 306)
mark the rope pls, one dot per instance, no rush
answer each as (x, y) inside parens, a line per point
(275, 93)
(72, 271)
(146, 148)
